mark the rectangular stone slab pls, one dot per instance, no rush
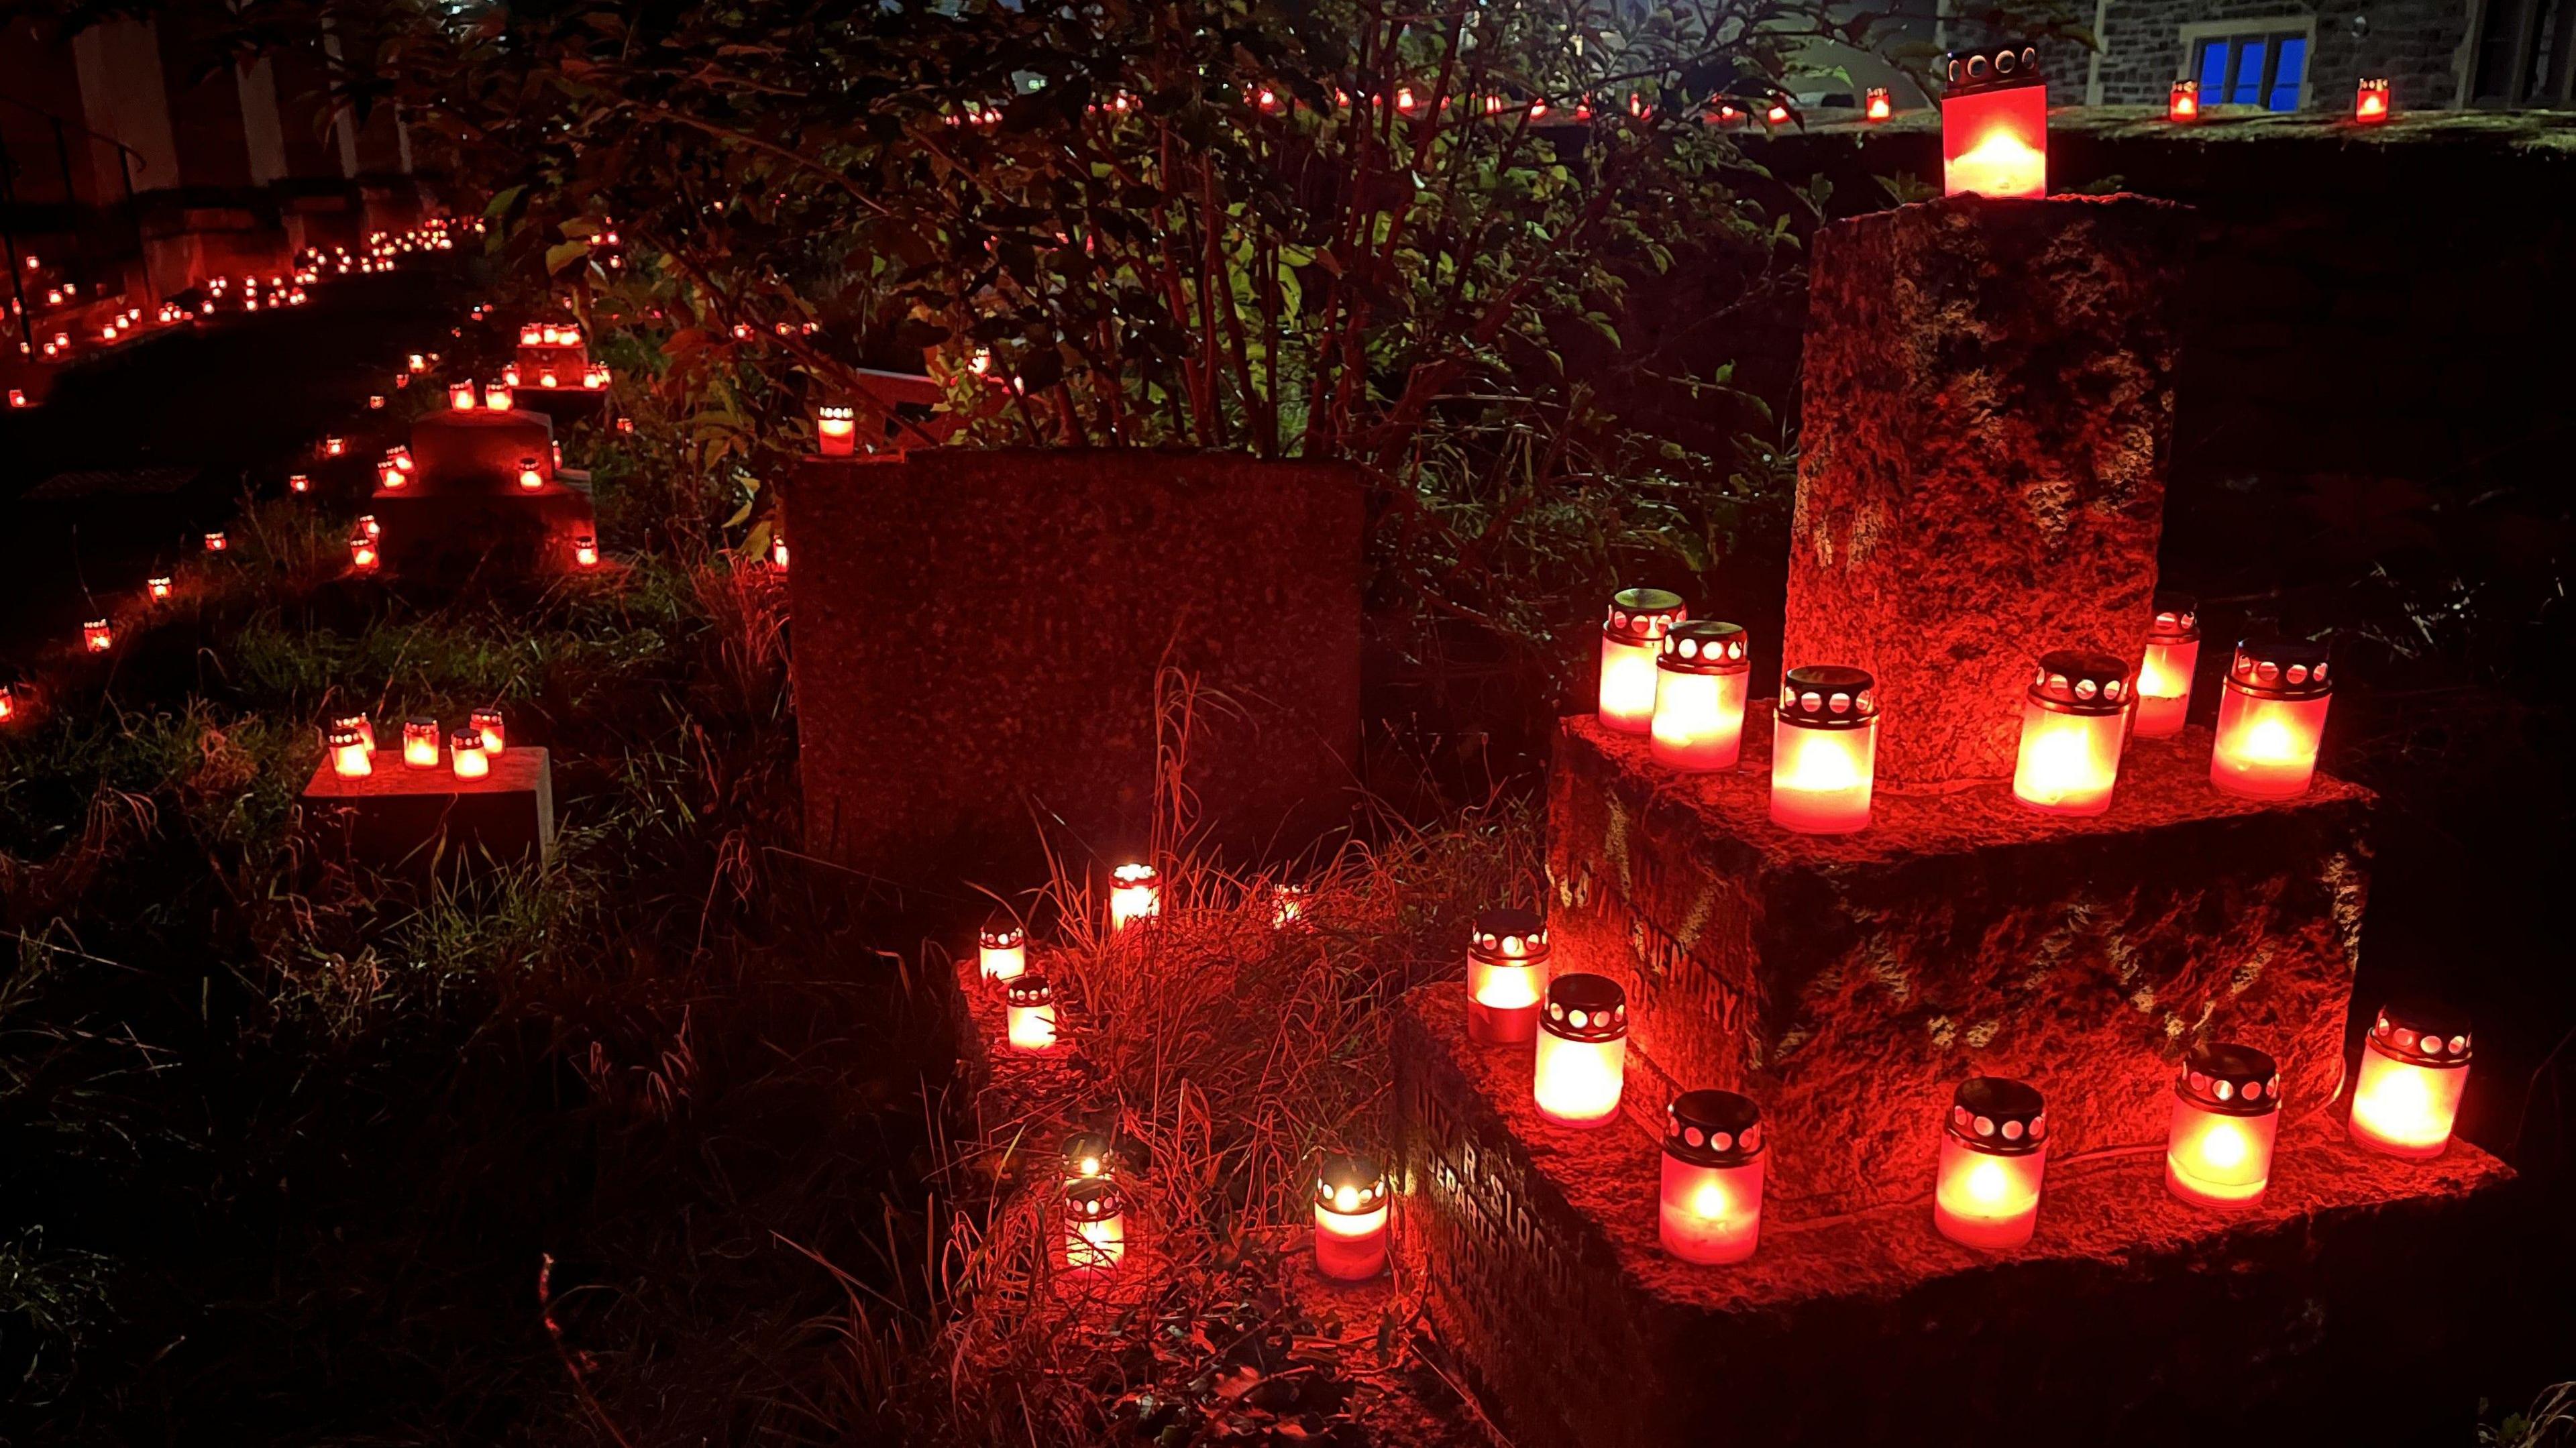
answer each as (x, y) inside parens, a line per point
(1988, 418)
(2339, 1309)
(403, 820)
(1851, 981)
(980, 637)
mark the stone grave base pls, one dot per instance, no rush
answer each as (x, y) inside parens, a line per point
(435, 535)
(417, 822)
(2342, 1308)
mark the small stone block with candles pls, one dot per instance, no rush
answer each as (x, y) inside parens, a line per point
(403, 819)
(464, 505)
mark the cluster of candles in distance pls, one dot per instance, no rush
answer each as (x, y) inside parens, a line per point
(1683, 683)
(1351, 1200)
(1994, 1142)
(470, 750)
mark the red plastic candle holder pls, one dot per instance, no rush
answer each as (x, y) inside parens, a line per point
(1630, 636)
(1582, 1056)
(1994, 1152)
(531, 477)
(836, 430)
(2182, 103)
(1002, 949)
(460, 396)
(2414, 1066)
(333, 447)
(298, 483)
(778, 551)
(420, 742)
(1288, 902)
(1135, 893)
(98, 635)
(1879, 105)
(1710, 1208)
(1824, 750)
(351, 758)
(362, 549)
(496, 397)
(465, 755)
(1351, 1209)
(216, 542)
(2227, 1113)
(1994, 124)
(1507, 956)
(2372, 102)
(1702, 674)
(2271, 718)
(1031, 1012)
(585, 551)
(158, 587)
(1095, 1225)
(488, 727)
(2072, 721)
(2165, 672)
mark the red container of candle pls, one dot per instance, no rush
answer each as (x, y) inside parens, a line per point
(2271, 718)
(1993, 1154)
(1702, 672)
(1710, 1207)
(1031, 1011)
(1001, 949)
(1095, 1225)
(2227, 1113)
(1507, 956)
(1879, 106)
(2165, 672)
(350, 758)
(1351, 1207)
(2414, 1067)
(1824, 750)
(2372, 102)
(1630, 637)
(1582, 1051)
(2072, 721)
(1994, 124)
(2182, 103)
(836, 430)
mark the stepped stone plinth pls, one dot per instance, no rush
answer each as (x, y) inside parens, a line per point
(1988, 416)
(466, 508)
(1846, 980)
(2342, 1308)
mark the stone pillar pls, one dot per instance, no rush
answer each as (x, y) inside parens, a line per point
(1988, 420)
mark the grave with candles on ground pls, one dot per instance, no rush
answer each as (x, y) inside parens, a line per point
(1897, 914)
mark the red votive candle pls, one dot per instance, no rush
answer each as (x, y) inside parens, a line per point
(350, 758)
(1095, 1225)
(2414, 1065)
(420, 742)
(1001, 949)
(2271, 717)
(836, 430)
(217, 543)
(2227, 1112)
(1994, 124)
(1350, 1217)
(1030, 1000)
(1993, 1153)
(1711, 1204)
(460, 396)
(98, 635)
(2071, 722)
(1507, 956)
(1701, 675)
(362, 550)
(465, 755)
(1824, 750)
(1135, 893)
(1582, 1051)
(158, 587)
(2182, 103)
(2371, 102)
(1879, 106)
(2165, 672)
(1630, 636)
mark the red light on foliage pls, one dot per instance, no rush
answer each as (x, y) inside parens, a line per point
(2165, 672)
(2414, 1066)
(98, 635)
(1582, 1059)
(1993, 1154)
(1031, 1012)
(836, 430)
(1507, 955)
(1631, 636)
(2072, 720)
(2371, 103)
(1994, 124)
(1710, 1210)
(1351, 1205)
(2182, 103)
(1879, 105)
(1095, 1225)
(1001, 949)
(1701, 676)
(1824, 750)
(2227, 1112)
(2271, 717)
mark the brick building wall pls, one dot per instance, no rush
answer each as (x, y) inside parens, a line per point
(2418, 45)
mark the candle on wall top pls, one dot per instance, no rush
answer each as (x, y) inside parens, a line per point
(1507, 954)
(1824, 750)
(1702, 673)
(1582, 1059)
(1994, 124)
(465, 755)
(836, 430)
(2372, 101)
(2182, 103)
(1879, 105)
(420, 742)
(350, 758)
(1631, 635)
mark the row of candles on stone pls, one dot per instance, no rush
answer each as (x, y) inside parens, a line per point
(1994, 1144)
(1350, 1192)
(351, 740)
(1683, 683)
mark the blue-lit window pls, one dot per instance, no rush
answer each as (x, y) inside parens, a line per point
(2252, 70)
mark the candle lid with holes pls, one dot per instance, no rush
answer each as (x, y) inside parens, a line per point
(2072, 681)
(1030, 989)
(1001, 933)
(1643, 615)
(1094, 1199)
(1098, 1153)
(2422, 1033)
(2229, 1079)
(1999, 1115)
(2177, 619)
(1586, 1008)
(2277, 668)
(1706, 646)
(1517, 936)
(1350, 1183)
(1713, 1128)
(1828, 696)
(1993, 68)
(343, 736)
